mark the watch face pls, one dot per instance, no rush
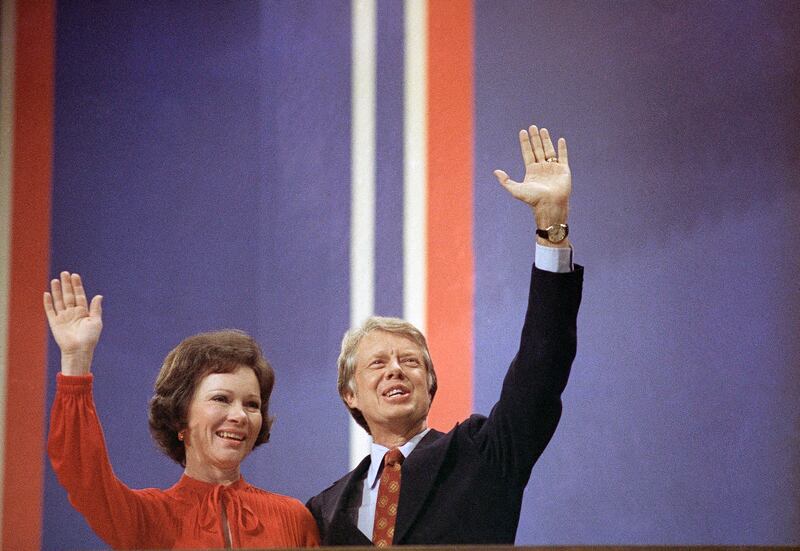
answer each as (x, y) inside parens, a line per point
(556, 233)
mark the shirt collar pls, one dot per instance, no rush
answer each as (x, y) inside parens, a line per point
(377, 452)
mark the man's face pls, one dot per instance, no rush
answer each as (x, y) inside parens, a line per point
(391, 386)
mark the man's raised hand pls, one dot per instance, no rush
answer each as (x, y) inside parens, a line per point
(548, 181)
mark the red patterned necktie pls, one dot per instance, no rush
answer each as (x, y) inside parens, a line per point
(388, 495)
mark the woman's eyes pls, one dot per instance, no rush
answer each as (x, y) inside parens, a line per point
(221, 398)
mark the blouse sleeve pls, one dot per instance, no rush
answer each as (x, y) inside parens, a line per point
(79, 458)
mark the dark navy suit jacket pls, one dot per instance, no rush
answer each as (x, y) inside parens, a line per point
(466, 486)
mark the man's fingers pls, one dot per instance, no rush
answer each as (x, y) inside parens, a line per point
(562, 152)
(525, 146)
(66, 290)
(511, 186)
(503, 178)
(547, 144)
(80, 293)
(536, 140)
(96, 308)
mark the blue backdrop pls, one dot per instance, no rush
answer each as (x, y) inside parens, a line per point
(202, 180)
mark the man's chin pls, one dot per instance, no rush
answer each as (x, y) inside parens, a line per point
(401, 424)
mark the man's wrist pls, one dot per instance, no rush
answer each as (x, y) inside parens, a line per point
(547, 215)
(555, 234)
(565, 244)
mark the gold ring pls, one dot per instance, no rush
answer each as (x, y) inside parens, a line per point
(552, 160)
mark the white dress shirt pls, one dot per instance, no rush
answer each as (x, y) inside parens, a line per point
(366, 513)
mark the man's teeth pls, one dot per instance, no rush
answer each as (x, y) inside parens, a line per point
(395, 392)
(230, 435)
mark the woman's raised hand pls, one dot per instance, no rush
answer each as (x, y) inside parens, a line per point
(75, 324)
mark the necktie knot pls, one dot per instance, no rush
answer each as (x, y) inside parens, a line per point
(393, 457)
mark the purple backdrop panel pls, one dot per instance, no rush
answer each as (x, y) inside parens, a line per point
(681, 419)
(202, 181)
(389, 162)
(303, 289)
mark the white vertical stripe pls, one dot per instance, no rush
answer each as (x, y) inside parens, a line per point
(362, 173)
(7, 52)
(415, 163)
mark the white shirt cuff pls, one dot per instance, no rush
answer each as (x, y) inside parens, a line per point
(554, 259)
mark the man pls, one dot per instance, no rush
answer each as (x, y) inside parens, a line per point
(466, 486)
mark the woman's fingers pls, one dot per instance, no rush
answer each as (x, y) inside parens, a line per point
(562, 152)
(96, 309)
(49, 309)
(58, 299)
(66, 290)
(80, 294)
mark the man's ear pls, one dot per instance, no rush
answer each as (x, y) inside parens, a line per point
(350, 399)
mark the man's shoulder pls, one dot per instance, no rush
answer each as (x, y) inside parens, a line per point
(333, 493)
(437, 443)
(335, 488)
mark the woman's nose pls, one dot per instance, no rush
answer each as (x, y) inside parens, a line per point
(237, 413)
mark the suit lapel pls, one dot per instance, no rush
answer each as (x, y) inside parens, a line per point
(419, 473)
(343, 528)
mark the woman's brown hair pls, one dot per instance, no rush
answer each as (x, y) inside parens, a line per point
(185, 366)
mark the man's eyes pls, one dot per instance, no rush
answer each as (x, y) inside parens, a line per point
(409, 362)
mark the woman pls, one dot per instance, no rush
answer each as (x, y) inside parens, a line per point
(210, 409)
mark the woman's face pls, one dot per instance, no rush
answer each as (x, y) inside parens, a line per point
(223, 422)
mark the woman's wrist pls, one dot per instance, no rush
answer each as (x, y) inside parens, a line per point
(77, 363)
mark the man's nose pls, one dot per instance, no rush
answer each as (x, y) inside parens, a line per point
(394, 369)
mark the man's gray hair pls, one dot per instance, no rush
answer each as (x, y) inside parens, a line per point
(347, 357)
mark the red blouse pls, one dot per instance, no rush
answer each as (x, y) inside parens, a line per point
(187, 515)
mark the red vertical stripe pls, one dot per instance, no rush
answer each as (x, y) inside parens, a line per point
(450, 276)
(30, 235)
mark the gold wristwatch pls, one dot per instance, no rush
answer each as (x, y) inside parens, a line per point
(555, 233)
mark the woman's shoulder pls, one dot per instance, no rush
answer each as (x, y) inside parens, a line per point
(270, 496)
(275, 500)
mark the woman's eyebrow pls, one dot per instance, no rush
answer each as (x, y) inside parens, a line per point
(220, 389)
